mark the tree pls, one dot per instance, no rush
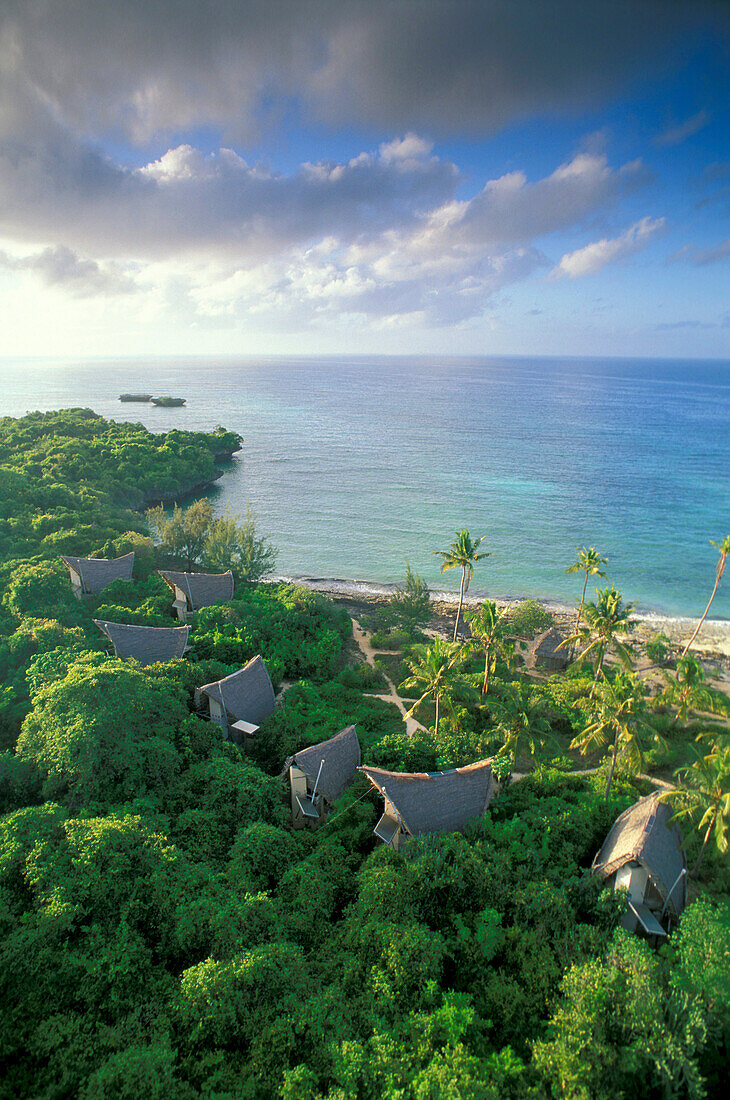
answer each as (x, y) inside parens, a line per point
(605, 619)
(105, 732)
(724, 549)
(489, 628)
(619, 720)
(462, 553)
(435, 673)
(529, 617)
(411, 604)
(617, 1030)
(237, 546)
(589, 561)
(686, 690)
(522, 720)
(184, 533)
(703, 796)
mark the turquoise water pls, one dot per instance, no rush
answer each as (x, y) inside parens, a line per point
(354, 465)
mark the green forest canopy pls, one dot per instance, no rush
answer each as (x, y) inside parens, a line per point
(164, 933)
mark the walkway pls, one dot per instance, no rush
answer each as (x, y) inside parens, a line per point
(412, 725)
(392, 695)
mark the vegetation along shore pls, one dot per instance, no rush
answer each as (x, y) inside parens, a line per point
(262, 841)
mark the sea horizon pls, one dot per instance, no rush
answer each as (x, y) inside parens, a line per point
(356, 464)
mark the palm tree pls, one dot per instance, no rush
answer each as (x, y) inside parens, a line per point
(686, 690)
(703, 795)
(724, 548)
(488, 630)
(435, 673)
(522, 719)
(462, 552)
(619, 714)
(589, 561)
(605, 619)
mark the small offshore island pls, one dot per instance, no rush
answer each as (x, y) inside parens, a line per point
(261, 842)
(146, 398)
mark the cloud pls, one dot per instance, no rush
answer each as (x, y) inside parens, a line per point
(593, 257)
(61, 267)
(675, 135)
(669, 326)
(702, 256)
(164, 67)
(378, 236)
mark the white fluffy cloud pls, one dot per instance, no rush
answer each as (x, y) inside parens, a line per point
(382, 234)
(592, 257)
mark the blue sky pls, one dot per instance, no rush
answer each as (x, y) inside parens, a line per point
(458, 177)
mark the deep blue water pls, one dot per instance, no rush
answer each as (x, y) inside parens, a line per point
(354, 465)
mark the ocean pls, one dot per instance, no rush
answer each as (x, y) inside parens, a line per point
(355, 465)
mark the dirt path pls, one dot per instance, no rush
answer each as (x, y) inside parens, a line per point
(391, 696)
(412, 725)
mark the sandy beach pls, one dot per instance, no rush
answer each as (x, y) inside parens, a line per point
(713, 641)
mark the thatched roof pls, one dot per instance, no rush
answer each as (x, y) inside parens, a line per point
(247, 694)
(97, 573)
(201, 589)
(436, 802)
(146, 644)
(546, 646)
(643, 834)
(341, 755)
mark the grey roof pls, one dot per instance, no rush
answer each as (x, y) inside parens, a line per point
(247, 694)
(546, 645)
(97, 573)
(146, 644)
(643, 834)
(201, 589)
(436, 802)
(341, 755)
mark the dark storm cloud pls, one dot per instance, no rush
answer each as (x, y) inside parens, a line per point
(159, 67)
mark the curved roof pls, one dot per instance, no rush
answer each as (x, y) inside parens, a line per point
(247, 694)
(97, 573)
(146, 644)
(436, 802)
(201, 589)
(546, 645)
(643, 834)
(341, 756)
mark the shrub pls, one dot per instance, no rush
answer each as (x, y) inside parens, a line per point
(529, 617)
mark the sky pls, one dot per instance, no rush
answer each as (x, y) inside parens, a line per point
(333, 176)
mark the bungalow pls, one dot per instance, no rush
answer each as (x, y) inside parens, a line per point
(546, 651)
(91, 575)
(146, 644)
(195, 590)
(239, 703)
(430, 802)
(643, 853)
(319, 774)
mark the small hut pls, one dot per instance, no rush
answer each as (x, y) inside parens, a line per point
(195, 590)
(643, 854)
(239, 703)
(547, 655)
(146, 644)
(91, 575)
(430, 802)
(319, 774)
